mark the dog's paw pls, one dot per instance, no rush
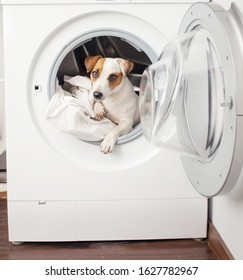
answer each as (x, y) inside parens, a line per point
(100, 116)
(99, 111)
(107, 145)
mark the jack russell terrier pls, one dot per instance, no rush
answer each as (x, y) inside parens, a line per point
(114, 96)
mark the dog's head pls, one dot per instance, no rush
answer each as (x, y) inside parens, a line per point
(107, 75)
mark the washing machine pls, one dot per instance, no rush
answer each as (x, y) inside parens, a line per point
(153, 185)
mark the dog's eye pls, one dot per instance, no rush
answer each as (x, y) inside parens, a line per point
(95, 74)
(112, 77)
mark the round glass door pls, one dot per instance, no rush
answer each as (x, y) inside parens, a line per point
(191, 99)
(181, 97)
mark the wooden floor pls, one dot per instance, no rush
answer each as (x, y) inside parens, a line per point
(138, 250)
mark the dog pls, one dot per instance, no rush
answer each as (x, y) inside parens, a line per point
(114, 96)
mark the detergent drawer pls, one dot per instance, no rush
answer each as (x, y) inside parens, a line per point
(42, 221)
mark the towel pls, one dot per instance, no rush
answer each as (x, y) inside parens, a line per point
(71, 110)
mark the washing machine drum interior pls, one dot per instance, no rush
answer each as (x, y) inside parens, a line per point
(107, 46)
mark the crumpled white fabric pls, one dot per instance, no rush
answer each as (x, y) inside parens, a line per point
(72, 111)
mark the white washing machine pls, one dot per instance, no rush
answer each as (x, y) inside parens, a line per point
(63, 189)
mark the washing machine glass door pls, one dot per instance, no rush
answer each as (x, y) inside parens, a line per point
(191, 100)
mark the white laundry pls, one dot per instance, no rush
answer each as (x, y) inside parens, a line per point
(72, 111)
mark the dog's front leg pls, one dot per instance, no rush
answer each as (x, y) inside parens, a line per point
(99, 111)
(109, 141)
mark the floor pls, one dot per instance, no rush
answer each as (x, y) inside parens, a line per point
(125, 250)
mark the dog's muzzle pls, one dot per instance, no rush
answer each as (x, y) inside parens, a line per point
(98, 95)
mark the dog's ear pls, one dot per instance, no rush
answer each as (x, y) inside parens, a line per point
(90, 62)
(126, 66)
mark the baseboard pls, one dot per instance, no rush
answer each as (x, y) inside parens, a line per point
(3, 184)
(3, 195)
(217, 244)
(3, 176)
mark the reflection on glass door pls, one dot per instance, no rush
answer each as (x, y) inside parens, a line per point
(182, 95)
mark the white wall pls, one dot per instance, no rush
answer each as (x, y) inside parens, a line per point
(227, 216)
(2, 114)
(227, 211)
(1, 44)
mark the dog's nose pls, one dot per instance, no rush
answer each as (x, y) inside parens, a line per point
(97, 95)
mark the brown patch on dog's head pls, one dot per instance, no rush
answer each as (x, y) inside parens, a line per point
(90, 62)
(94, 64)
(96, 71)
(115, 79)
